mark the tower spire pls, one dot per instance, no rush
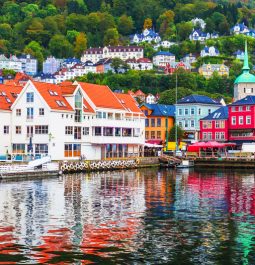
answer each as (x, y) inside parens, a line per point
(246, 59)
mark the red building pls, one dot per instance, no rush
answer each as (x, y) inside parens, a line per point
(214, 127)
(173, 66)
(242, 120)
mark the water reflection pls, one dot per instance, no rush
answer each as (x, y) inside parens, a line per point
(130, 217)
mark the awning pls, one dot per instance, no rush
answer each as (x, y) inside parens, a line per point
(153, 145)
(213, 144)
(154, 141)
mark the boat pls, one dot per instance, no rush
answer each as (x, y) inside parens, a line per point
(169, 161)
(185, 164)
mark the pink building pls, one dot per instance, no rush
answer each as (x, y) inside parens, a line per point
(242, 120)
(214, 127)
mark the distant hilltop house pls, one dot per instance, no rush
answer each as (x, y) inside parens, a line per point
(51, 65)
(141, 64)
(198, 35)
(198, 21)
(162, 58)
(142, 97)
(239, 55)
(239, 29)
(207, 70)
(189, 58)
(164, 44)
(209, 51)
(148, 35)
(173, 66)
(122, 52)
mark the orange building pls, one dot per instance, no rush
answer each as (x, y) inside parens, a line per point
(160, 118)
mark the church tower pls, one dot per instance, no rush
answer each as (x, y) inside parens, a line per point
(245, 82)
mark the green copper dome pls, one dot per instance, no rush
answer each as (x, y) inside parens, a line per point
(245, 76)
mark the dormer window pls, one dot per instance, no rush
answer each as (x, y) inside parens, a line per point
(61, 103)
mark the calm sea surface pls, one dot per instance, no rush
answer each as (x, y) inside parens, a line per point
(145, 216)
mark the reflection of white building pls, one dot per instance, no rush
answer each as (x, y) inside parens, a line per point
(68, 121)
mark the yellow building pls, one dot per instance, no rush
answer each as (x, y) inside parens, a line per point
(160, 118)
(207, 70)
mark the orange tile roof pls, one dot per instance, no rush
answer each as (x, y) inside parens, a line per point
(8, 95)
(86, 107)
(44, 88)
(101, 96)
(128, 102)
(67, 89)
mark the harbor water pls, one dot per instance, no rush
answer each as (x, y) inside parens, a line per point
(146, 216)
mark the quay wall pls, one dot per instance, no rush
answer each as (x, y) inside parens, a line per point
(225, 162)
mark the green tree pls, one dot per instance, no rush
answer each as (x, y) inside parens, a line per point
(60, 47)
(111, 37)
(184, 29)
(118, 64)
(76, 6)
(169, 96)
(172, 134)
(5, 31)
(36, 50)
(125, 25)
(71, 35)
(80, 44)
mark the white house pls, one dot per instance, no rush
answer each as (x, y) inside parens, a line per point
(51, 65)
(141, 64)
(12, 63)
(239, 55)
(209, 51)
(239, 29)
(189, 58)
(148, 35)
(70, 120)
(198, 35)
(163, 58)
(29, 64)
(198, 21)
(122, 52)
(150, 99)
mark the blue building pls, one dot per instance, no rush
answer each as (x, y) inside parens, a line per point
(189, 111)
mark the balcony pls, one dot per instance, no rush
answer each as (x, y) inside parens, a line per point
(100, 139)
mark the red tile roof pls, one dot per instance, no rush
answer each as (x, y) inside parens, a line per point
(55, 101)
(128, 102)
(101, 96)
(139, 93)
(8, 94)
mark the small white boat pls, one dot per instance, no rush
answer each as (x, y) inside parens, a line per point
(185, 164)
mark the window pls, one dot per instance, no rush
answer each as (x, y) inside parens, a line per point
(41, 148)
(6, 129)
(146, 122)
(240, 119)
(233, 109)
(248, 119)
(180, 112)
(233, 120)
(18, 112)
(30, 97)
(136, 132)
(158, 122)
(30, 131)
(98, 131)
(77, 133)
(248, 108)
(41, 111)
(117, 132)
(152, 122)
(126, 132)
(209, 136)
(99, 115)
(76, 150)
(60, 103)
(192, 123)
(209, 111)
(186, 125)
(204, 135)
(18, 148)
(78, 115)
(192, 111)
(217, 124)
(85, 130)
(158, 134)
(199, 112)
(68, 150)
(207, 124)
(180, 124)
(18, 129)
(108, 131)
(146, 135)
(222, 136)
(41, 129)
(186, 111)
(152, 135)
(30, 113)
(222, 124)
(217, 136)
(240, 108)
(69, 130)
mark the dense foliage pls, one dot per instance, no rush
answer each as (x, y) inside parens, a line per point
(66, 27)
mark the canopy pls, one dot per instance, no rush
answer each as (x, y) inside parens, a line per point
(152, 145)
(213, 144)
